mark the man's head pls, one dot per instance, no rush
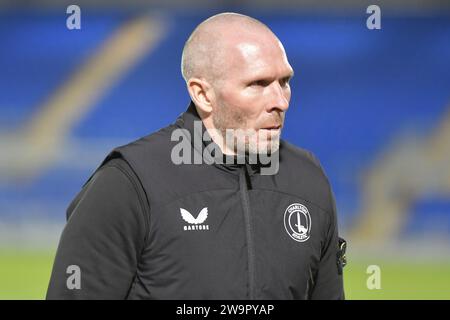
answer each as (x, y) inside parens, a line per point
(237, 74)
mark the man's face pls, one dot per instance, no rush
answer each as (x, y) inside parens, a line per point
(254, 93)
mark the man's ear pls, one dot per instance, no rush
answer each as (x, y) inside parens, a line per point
(201, 93)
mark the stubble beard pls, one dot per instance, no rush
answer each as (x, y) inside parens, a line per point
(237, 138)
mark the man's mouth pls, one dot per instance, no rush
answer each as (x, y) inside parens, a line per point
(272, 127)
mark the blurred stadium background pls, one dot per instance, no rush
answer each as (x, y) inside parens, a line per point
(373, 105)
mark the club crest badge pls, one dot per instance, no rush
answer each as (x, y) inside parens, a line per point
(297, 222)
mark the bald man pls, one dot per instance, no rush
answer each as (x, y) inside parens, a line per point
(215, 205)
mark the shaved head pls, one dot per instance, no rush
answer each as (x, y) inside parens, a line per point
(237, 74)
(205, 52)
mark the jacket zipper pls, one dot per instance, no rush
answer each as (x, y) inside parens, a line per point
(243, 188)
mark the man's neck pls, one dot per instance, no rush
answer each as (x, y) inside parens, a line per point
(217, 137)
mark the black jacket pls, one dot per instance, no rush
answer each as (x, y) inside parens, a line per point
(143, 227)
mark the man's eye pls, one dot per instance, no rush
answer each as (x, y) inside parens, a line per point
(260, 83)
(284, 82)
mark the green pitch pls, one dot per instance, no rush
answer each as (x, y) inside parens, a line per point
(400, 279)
(25, 275)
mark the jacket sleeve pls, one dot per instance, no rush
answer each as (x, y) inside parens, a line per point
(100, 246)
(329, 279)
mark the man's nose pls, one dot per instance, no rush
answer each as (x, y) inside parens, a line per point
(280, 99)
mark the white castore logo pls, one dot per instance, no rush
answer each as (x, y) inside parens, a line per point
(195, 223)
